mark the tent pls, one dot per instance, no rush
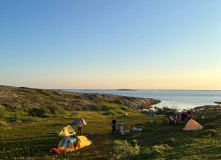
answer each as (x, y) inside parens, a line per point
(122, 129)
(67, 131)
(75, 122)
(192, 125)
(125, 115)
(73, 143)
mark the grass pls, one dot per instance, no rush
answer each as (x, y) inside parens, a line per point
(31, 139)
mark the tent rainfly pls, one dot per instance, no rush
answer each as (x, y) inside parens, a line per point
(192, 125)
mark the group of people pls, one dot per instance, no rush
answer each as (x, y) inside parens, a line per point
(185, 116)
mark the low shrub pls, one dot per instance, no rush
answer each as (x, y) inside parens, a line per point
(3, 123)
(60, 110)
(124, 150)
(36, 112)
(126, 109)
(3, 112)
(52, 109)
(18, 114)
(156, 151)
(46, 111)
(160, 150)
(146, 153)
(104, 106)
(167, 111)
(110, 112)
(119, 111)
(118, 101)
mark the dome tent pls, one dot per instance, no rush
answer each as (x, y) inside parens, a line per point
(75, 122)
(192, 125)
(67, 131)
(73, 143)
(122, 129)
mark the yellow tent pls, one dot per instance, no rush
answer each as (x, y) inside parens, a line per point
(67, 131)
(192, 125)
(73, 143)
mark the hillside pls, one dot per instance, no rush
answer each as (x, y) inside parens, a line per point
(21, 97)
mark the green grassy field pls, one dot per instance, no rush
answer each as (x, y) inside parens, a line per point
(30, 140)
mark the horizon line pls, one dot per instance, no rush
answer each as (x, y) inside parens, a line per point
(117, 89)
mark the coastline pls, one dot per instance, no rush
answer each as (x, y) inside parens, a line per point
(182, 99)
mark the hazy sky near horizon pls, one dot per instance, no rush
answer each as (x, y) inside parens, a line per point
(111, 44)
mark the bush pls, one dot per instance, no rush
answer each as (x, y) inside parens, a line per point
(3, 123)
(46, 109)
(36, 112)
(167, 111)
(124, 150)
(118, 101)
(146, 153)
(3, 113)
(60, 110)
(160, 150)
(155, 152)
(51, 109)
(18, 114)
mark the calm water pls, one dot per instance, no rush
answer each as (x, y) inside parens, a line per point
(170, 98)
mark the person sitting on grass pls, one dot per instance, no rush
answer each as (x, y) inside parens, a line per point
(173, 120)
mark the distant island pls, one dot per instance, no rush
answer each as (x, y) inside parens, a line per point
(126, 90)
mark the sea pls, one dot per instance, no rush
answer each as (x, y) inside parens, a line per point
(180, 99)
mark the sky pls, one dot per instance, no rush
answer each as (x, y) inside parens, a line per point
(111, 44)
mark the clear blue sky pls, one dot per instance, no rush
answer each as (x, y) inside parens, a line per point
(111, 44)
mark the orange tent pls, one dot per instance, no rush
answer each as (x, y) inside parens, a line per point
(192, 125)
